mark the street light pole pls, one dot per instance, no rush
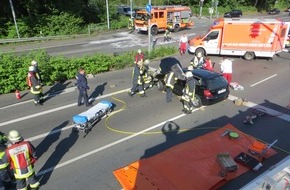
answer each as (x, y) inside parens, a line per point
(149, 30)
(108, 19)
(200, 8)
(131, 8)
(14, 18)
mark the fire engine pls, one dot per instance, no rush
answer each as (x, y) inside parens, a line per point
(161, 18)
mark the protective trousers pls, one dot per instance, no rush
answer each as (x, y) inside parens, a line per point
(33, 183)
(4, 178)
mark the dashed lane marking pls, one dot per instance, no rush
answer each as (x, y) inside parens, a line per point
(56, 109)
(263, 80)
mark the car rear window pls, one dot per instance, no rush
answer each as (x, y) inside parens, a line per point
(216, 83)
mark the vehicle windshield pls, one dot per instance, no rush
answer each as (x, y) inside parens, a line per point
(127, 9)
(140, 16)
(216, 83)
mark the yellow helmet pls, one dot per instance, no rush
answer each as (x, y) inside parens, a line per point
(14, 136)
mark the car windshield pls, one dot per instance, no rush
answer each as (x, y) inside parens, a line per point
(216, 83)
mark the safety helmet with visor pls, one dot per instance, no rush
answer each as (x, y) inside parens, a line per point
(33, 63)
(14, 136)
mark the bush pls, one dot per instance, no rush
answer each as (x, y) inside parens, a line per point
(14, 69)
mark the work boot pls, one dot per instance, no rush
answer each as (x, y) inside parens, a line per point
(130, 93)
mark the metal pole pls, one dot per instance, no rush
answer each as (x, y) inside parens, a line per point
(108, 19)
(200, 8)
(131, 7)
(149, 31)
(14, 18)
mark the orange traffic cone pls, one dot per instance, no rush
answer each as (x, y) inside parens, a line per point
(17, 94)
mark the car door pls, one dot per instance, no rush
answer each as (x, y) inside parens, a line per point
(211, 42)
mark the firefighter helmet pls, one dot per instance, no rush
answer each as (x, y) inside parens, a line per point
(199, 55)
(31, 68)
(146, 62)
(33, 63)
(14, 136)
(188, 74)
(190, 68)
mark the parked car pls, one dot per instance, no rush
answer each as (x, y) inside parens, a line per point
(125, 10)
(233, 13)
(274, 12)
(211, 87)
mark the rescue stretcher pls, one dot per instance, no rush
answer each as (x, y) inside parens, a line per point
(87, 119)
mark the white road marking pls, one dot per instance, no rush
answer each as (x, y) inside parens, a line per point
(108, 145)
(111, 40)
(67, 90)
(267, 110)
(263, 80)
(57, 109)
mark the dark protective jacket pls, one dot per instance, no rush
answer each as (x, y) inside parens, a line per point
(82, 83)
(35, 83)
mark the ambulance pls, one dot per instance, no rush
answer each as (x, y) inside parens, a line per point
(244, 37)
(173, 18)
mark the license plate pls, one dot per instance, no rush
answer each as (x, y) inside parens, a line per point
(221, 91)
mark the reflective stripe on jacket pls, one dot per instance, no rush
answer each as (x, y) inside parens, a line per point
(170, 80)
(3, 164)
(21, 158)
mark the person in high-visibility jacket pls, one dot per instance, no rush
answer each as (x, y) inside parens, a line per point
(5, 178)
(188, 93)
(37, 70)
(144, 79)
(139, 58)
(21, 156)
(169, 80)
(35, 85)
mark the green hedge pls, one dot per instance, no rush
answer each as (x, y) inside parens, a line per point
(14, 69)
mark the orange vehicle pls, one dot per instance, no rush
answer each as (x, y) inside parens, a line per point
(173, 18)
(249, 38)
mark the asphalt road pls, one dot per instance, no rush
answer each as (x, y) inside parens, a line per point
(134, 129)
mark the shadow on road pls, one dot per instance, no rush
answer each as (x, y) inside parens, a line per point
(56, 89)
(50, 138)
(60, 150)
(99, 90)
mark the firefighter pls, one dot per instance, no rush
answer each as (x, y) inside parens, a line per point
(167, 35)
(197, 61)
(188, 93)
(5, 178)
(35, 86)
(21, 157)
(144, 79)
(169, 80)
(38, 75)
(139, 58)
(37, 71)
(131, 24)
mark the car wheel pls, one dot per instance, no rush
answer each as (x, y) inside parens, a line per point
(154, 30)
(249, 56)
(197, 102)
(200, 50)
(160, 85)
